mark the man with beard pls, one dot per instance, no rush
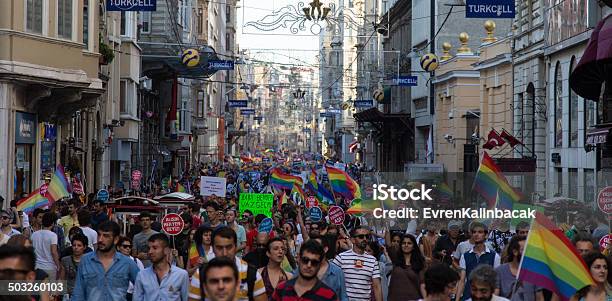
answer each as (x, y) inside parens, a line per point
(482, 284)
(306, 286)
(361, 270)
(161, 281)
(222, 281)
(105, 274)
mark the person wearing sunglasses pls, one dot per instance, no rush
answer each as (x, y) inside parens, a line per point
(361, 270)
(5, 220)
(124, 246)
(306, 286)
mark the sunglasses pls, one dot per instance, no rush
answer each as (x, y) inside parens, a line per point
(362, 236)
(127, 246)
(313, 262)
(5, 217)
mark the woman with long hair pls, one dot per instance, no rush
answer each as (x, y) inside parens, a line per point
(273, 274)
(598, 265)
(406, 278)
(201, 250)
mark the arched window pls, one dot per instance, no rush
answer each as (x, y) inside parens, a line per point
(529, 113)
(573, 111)
(558, 107)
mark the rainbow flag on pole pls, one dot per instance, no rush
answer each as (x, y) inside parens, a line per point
(343, 184)
(551, 261)
(489, 180)
(284, 181)
(32, 201)
(58, 187)
(180, 188)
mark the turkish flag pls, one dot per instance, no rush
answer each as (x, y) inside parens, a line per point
(511, 139)
(494, 140)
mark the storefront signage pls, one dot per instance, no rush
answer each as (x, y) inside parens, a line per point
(490, 9)
(247, 112)
(258, 118)
(131, 5)
(221, 65)
(406, 81)
(237, 103)
(363, 103)
(25, 130)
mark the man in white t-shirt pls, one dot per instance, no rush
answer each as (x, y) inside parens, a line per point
(44, 242)
(361, 270)
(84, 217)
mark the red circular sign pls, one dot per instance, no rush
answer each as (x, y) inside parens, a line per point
(172, 224)
(604, 200)
(43, 189)
(136, 175)
(604, 242)
(311, 202)
(336, 215)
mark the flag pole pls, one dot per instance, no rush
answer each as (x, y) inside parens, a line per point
(331, 186)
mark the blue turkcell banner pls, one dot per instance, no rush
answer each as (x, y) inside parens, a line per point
(237, 103)
(409, 81)
(131, 5)
(365, 103)
(501, 9)
(247, 112)
(221, 65)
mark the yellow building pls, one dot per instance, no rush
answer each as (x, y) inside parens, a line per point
(48, 72)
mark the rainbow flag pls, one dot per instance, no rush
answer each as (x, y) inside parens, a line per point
(284, 181)
(551, 261)
(32, 201)
(58, 187)
(444, 192)
(194, 254)
(299, 191)
(343, 184)
(489, 180)
(180, 188)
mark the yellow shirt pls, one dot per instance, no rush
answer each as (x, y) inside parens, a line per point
(67, 222)
(243, 295)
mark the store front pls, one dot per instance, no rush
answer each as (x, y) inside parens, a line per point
(25, 142)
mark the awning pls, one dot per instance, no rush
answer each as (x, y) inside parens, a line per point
(597, 136)
(595, 65)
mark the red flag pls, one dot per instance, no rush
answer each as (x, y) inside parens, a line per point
(511, 139)
(494, 140)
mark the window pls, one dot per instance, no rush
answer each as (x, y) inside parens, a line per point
(122, 95)
(64, 19)
(123, 22)
(126, 95)
(34, 16)
(228, 14)
(529, 112)
(559, 176)
(589, 114)
(86, 24)
(200, 105)
(146, 22)
(558, 109)
(573, 183)
(589, 185)
(573, 120)
(200, 21)
(228, 44)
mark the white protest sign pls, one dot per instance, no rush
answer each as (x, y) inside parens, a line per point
(213, 185)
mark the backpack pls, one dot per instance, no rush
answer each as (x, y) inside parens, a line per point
(251, 277)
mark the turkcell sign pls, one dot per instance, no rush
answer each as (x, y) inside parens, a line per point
(490, 9)
(131, 5)
(334, 111)
(247, 112)
(410, 81)
(237, 103)
(363, 103)
(221, 65)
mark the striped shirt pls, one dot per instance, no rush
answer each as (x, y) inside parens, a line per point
(359, 272)
(243, 295)
(285, 291)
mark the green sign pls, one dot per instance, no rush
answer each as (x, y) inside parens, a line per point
(258, 203)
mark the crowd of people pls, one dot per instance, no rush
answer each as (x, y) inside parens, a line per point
(222, 255)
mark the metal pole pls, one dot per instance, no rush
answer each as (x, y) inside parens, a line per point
(432, 49)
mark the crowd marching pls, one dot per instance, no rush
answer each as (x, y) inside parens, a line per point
(225, 252)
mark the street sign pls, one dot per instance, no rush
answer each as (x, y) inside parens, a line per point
(316, 214)
(311, 202)
(325, 114)
(406, 81)
(265, 226)
(131, 5)
(336, 215)
(102, 195)
(365, 103)
(490, 9)
(221, 65)
(237, 103)
(247, 112)
(136, 175)
(604, 242)
(604, 200)
(334, 111)
(172, 224)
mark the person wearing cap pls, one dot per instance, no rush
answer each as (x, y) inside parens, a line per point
(447, 244)
(5, 221)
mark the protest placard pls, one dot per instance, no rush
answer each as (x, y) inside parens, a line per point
(213, 185)
(258, 203)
